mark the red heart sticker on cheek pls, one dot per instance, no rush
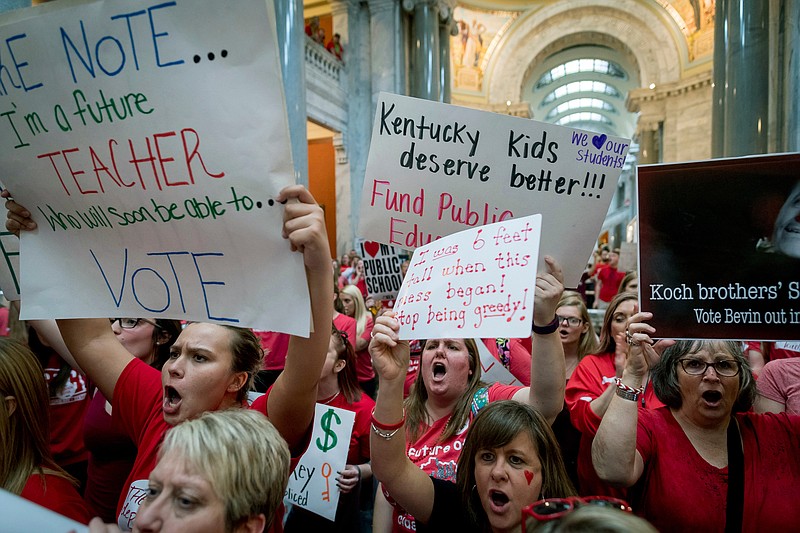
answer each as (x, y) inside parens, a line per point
(529, 476)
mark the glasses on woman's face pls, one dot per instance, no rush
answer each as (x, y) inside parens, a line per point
(572, 321)
(130, 323)
(555, 508)
(698, 367)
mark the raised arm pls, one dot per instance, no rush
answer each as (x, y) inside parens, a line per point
(409, 486)
(294, 395)
(614, 453)
(548, 373)
(91, 342)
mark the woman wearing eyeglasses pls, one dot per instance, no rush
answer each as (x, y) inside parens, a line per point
(338, 387)
(703, 459)
(111, 450)
(211, 366)
(591, 388)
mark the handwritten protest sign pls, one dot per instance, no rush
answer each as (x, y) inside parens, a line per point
(492, 371)
(23, 516)
(149, 139)
(475, 283)
(382, 269)
(312, 484)
(434, 169)
(719, 248)
(793, 346)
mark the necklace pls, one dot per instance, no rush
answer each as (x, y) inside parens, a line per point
(329, 400)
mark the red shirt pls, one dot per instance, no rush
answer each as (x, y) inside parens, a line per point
(364, 370)
(68, 407)
(610, 278)
(137, 404)
(348, 325)
(519, 357)
(676, 478)
(275, 346)
(591, 378)
(440, 458)
(57, 494)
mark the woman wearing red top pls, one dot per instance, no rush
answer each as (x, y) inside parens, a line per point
(27, 467)
(338, 387)
(211, 367)
(353, 305)
(591, 388)
(448, 392)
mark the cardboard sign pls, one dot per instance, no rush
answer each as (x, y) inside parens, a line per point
(312, 484)
(435, 169)
(719, 246)
(381, 268)
(475, 283)
(23, 516)
(149, 140)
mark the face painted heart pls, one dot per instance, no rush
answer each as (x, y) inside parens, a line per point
(529, 476)
(599, 140)
(372, 248)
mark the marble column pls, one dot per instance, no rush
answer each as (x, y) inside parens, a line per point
(718, 92)
(292, 44)
(648, 148)
(425, 53)
(445, 25)
(746, 78)
(791, 76)
(386, 38)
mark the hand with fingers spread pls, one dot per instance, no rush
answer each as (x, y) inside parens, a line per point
(389, 354)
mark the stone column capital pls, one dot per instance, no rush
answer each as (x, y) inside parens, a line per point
(411, 5)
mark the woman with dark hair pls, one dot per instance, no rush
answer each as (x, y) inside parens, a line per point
(27, 467)
(591, 388)
(704, 445)
(338, 387)
(508, 460)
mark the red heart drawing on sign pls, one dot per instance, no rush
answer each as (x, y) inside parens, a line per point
(372, 248)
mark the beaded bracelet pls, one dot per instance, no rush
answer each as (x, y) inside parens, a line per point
(383, 434)
(388, 427)
(626, 391)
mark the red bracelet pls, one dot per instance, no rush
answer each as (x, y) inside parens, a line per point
(388, 427)
(627, 388)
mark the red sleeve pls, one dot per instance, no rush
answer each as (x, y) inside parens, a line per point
(585, 385)
(519, 359)
(498, 391)
(768, 385)
(137, 395)
(260, 405)
(362, 426)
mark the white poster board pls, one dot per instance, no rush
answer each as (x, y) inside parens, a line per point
(149, 141)
(22, 516)
(474, 283)
(434, 169)
(312, 484)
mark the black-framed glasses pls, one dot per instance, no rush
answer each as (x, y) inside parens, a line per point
(571, 320)
(130, 323)
(555, 508)
(723, 367)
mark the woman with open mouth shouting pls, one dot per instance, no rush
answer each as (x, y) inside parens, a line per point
(449, 393)
(211, 367)
(704, 445)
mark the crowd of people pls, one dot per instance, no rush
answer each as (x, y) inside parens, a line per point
(149, 424)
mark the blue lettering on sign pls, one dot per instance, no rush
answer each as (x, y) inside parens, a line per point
(148, 280)
(110, 53)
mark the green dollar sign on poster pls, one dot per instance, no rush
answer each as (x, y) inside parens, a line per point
(330, 437)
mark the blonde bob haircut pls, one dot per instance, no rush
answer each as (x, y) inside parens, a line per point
(243, 457)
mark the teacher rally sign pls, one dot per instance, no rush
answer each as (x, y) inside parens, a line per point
(149, 140)
(434, 169)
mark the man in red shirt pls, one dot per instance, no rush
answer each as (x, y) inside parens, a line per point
(608, 280)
